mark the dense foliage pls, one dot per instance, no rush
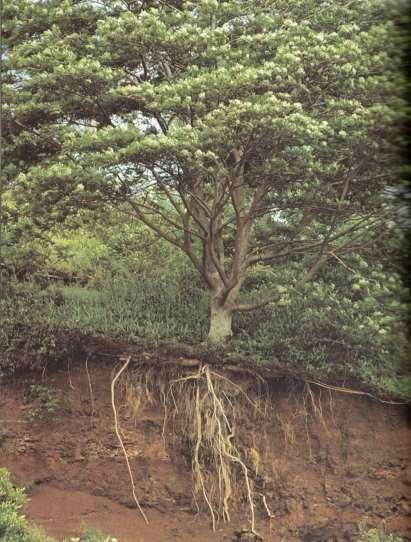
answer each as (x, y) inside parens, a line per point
(239, 133)
(26, 338)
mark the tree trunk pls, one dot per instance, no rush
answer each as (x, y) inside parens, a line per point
(220, 323)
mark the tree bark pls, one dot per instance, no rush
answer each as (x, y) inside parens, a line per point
(220, 322)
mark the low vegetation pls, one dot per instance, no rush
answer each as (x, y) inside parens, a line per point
(349, 324)
(372, 534)
(14, 527)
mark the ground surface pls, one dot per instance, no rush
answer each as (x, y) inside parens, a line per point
(320, 472)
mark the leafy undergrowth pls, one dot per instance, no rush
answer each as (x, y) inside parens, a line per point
(15, 528)
(371, 534)
(350, 330)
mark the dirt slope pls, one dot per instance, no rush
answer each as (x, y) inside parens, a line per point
(320, 472)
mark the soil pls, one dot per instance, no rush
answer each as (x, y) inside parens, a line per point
(325, 462)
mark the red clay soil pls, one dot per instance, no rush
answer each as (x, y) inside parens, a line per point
(321, 475)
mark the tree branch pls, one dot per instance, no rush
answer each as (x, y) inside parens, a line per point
(246, 307)
(181, 245)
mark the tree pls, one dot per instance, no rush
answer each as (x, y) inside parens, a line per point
(241, 131)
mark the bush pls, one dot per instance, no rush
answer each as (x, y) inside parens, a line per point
(26, 336)
(78, 254)
(13, 525)
(91, 534)
(15, 528)
(342, 325)
(370, 534)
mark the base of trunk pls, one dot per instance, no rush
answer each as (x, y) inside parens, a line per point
(220, 324)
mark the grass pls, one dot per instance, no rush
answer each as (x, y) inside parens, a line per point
(149, 310)
(322, 331)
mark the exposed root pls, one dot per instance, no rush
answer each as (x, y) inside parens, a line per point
(236, 386)
(117, 430)
(305, 414)
(269, 513)
(215, 434)
(203, 407)
(331, 408)
(196, 461)
(90, 387)
(288, 431)
(69, 375)
(208, 415)
(354, 392)
(317, 407)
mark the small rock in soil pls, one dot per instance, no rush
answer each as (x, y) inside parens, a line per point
(246, 536)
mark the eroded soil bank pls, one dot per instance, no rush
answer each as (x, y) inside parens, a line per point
(321, 466)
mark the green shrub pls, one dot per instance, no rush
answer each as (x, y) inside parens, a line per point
(13, 525)
(15, 528)
(45, 401)
(372, 534)
(342, 325)
(91, 534)
(26, 336)
(78, 253)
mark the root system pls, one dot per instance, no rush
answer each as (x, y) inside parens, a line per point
(205, 408)
(212, 418)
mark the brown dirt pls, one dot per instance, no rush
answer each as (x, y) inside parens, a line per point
(320, 476)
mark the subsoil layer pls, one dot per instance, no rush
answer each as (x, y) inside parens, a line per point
(322, 466)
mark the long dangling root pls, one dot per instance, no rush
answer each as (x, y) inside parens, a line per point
(196, 462)
(117, 429)
(269, 513)
(90, 387)
(317, 407)
(226, 451)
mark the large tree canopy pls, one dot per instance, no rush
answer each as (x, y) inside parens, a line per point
(242, 131)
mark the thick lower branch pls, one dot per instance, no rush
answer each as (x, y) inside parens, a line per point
(245, 307)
